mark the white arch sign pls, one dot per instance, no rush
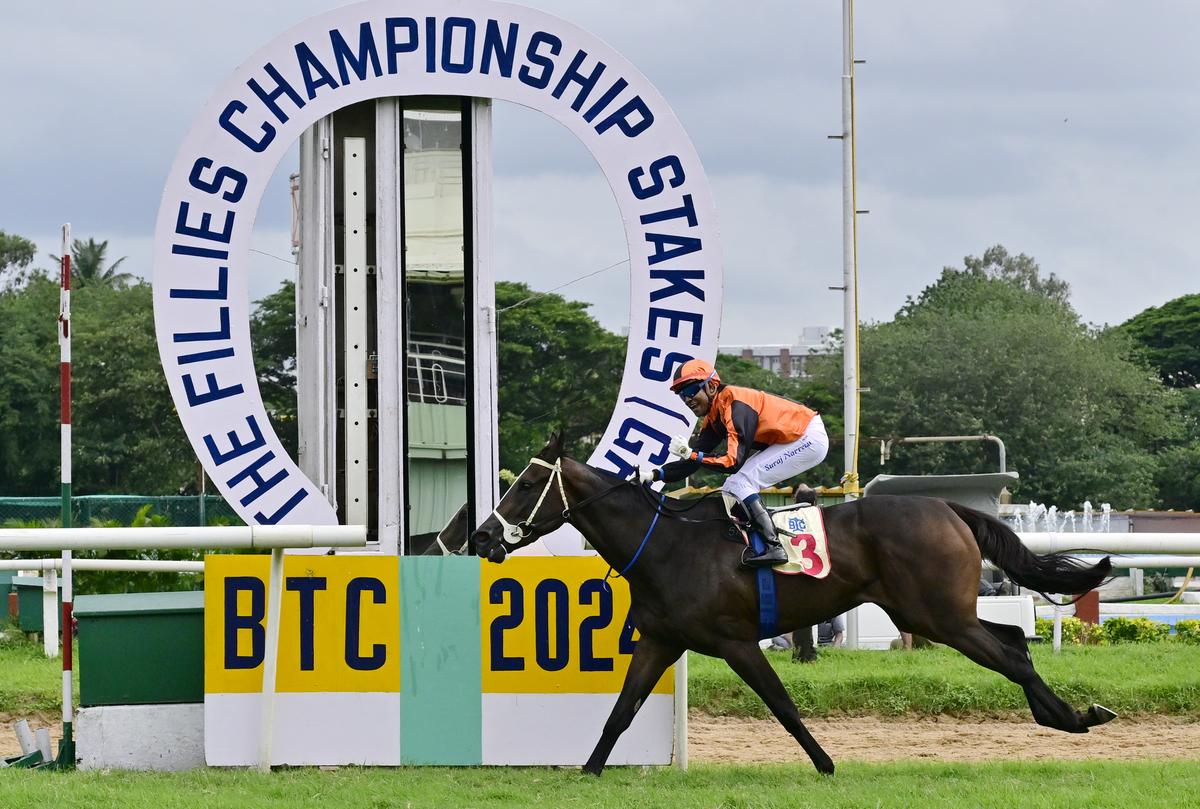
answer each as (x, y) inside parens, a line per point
(421, 47)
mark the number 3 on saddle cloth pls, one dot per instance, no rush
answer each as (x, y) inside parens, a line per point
(801, 531)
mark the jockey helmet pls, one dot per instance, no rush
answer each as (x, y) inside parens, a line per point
(693, 372)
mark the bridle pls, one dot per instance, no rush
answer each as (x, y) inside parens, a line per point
(513, 534)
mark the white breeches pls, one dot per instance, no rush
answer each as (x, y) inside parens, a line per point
(779, 462)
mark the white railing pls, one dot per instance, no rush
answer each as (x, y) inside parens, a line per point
(1130, 551)
(122, 565)
(1125, 544)
(249, 537)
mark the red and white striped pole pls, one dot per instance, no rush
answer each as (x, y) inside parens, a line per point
(66, 748)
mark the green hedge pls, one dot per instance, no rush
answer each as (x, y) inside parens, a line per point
(1119, 629)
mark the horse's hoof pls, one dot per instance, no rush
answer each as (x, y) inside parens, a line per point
(1098, 714)
(589, 770)
(824, 767)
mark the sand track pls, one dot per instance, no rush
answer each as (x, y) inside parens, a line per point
(735, 740)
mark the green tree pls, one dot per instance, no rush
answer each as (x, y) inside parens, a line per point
(1019, 271)
(16, 254)
(29, 388)
(1178, 473)
(273, 340)
(88, 268)
(1001, 351)
(127, 435)
(558, 368)
(1168, 337)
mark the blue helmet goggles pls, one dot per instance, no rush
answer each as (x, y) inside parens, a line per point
(690, 390)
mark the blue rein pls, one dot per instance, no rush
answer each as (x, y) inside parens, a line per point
(645, 539)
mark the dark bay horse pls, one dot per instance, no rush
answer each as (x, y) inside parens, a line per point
(918, 558)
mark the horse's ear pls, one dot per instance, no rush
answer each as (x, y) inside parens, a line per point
(556, 443)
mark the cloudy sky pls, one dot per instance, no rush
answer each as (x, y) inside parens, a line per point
(1065, 130)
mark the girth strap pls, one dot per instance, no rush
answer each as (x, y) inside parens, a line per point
(768, 607)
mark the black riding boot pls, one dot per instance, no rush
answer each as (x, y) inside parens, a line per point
(773, 554)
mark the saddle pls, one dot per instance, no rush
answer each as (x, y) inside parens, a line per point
(801, 530)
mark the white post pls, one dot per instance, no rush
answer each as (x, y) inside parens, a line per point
(24, 736)
(681, 712)
(42, 736)
(50, 613)
(266, 729)
(1059, 613)
(354, 318)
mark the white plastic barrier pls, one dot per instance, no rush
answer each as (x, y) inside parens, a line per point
(876, 630)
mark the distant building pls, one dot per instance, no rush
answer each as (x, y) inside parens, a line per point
(785, 360)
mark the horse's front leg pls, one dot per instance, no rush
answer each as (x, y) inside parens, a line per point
(747, 660)
(650, 659)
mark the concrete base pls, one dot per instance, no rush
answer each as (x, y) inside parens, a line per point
(140, 737)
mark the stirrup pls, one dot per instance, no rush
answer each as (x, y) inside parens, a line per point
(772, 555)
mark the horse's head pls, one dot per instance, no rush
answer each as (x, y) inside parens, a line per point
(532, 507)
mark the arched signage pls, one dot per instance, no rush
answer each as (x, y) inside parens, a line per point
(424, 47)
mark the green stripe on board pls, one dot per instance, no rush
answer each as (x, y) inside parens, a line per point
(441, 714)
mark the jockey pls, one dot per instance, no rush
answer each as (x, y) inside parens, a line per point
(767, 439)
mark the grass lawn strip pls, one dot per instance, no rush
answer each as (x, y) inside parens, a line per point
(929, 786)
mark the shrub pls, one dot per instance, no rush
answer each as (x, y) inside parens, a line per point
(1074, 631)
(1188, 630)
(1133, 630)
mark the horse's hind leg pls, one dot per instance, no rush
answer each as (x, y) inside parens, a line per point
(650, 659)
(995, 646)
(1041, 698)
(747, 660)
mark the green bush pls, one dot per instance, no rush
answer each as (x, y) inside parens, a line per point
(1074, 631)
(1133, 630)
(1188, 630)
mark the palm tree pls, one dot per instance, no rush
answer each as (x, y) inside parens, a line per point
(87, 265)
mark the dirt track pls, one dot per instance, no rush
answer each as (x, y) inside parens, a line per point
(724, 739)
(749, 741)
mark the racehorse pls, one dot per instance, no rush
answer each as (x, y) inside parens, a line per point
(450, 541)
(916, 557)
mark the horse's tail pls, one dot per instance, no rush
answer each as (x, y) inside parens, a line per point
(1043, 573)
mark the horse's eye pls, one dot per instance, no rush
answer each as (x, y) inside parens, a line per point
(525, 484)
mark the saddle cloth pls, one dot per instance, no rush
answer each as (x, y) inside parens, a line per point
(802, 533)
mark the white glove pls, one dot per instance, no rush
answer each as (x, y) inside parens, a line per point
(679, 448)
(647, 475)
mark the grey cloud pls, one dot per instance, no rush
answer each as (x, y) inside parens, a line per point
(962, 141)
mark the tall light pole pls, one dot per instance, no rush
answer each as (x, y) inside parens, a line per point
(850, 384)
